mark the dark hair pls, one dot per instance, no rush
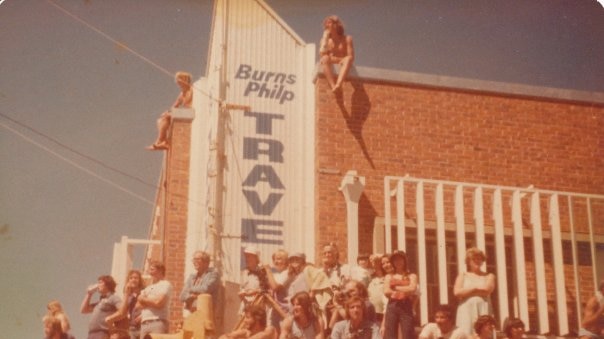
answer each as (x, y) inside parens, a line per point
(109, 282)
(305, 301)
(446, 310)
(401, 254)
(141, 281)
(258, 313)
(158, 266)
(482, 321)
(510, 323)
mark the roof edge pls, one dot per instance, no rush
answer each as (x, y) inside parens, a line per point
(474, 85)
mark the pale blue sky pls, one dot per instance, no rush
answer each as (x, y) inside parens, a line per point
(57, 76)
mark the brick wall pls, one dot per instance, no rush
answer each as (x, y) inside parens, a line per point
(176, 209)
(381, 128)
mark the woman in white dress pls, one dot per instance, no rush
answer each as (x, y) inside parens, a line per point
(473, 290)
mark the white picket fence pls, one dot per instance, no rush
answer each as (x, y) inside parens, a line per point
(507, 206)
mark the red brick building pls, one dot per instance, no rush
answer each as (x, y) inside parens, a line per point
(515, 170)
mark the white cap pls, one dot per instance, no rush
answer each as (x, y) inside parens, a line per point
(250, 249)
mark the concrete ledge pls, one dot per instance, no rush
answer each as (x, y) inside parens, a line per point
(464, 84)
(183, 113)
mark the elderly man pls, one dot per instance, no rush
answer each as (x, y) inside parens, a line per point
(206, 279)
(443, 326)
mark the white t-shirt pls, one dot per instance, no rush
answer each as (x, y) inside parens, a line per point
(160, 288)
(432, 331)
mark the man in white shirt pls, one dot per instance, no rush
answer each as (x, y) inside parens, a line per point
(154, 301)
(443, 326)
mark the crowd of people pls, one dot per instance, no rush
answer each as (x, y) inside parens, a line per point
(291, 298)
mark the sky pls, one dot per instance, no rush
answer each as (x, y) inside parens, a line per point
(82, 84)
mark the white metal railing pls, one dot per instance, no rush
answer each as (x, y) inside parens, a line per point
(402, 188)
(122, 258)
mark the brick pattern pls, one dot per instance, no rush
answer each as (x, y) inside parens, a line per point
(382, 129)
(177, 187)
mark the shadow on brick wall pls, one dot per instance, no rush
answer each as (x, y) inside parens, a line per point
(359, 112)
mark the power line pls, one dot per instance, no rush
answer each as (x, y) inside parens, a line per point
(83, 155)
(88, 157)
(76, 165)
(122, 45)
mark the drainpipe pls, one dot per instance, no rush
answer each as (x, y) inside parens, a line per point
(352, 186)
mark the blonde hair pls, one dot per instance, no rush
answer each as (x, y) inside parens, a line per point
(54, 306)
(184, 76)
(281, 252)
(474, 252)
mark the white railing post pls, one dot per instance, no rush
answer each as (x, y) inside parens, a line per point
(421, 253)
(400, 215)
(352, 186)
(558, 265)
(461, 229)
(519, 261)
(441, 245)
(573, 244)
(535, 227)
(539, 261)
(121, 262)
(387, 216)
(592, 245)
(502, 281)
(479, 220)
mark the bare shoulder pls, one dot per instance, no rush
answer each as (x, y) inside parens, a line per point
(592, 303)
(287, 323)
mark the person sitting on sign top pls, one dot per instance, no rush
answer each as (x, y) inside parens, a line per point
(335, 48)
(184, 100)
